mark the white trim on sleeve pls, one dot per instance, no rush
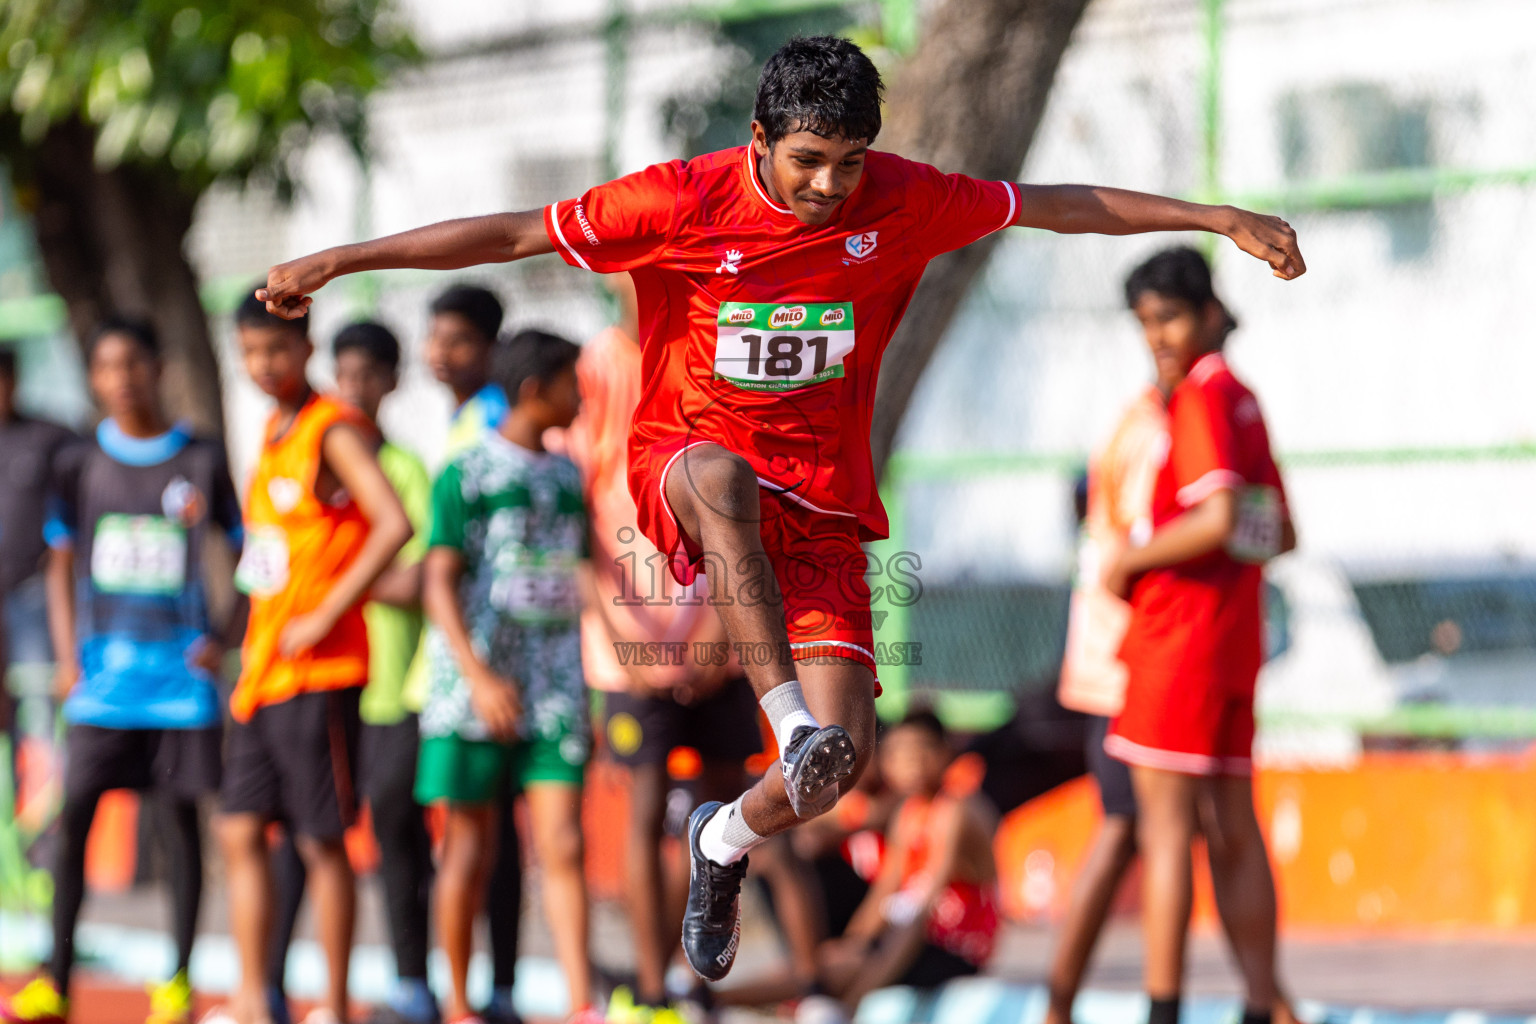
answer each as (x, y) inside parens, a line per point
(554, 221)
(1193, 494)
(1013, 203)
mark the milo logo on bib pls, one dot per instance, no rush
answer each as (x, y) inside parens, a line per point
(786, 316)
(769, 346)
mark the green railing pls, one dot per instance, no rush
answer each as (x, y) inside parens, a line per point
(985, 696)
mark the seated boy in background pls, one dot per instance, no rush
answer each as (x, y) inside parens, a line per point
(931, 914)
(507, 703)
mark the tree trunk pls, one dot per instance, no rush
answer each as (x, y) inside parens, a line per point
(111, 242)
(969, 100)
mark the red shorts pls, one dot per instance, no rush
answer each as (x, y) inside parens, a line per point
(816, 558)
(1180, 725)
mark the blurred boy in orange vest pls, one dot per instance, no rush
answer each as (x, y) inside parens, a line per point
(322, 523)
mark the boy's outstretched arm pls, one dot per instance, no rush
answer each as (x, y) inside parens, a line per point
(448, 245)
(1093, 209)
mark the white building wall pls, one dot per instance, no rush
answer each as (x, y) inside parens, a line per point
(1381, 346)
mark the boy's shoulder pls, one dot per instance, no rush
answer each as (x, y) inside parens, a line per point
(1212, 374)
(396, 460)
(207, 452)
(489, 465)
(1210, 384)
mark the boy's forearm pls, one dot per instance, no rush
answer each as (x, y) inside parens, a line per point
(1083, 209)
(449, 245)
(233, 633)
(1079, 209)
(1199, 531)
(399, 586)
(440, 601)
(869, 918)
(377, 553)
(58, 589)
(446, 245)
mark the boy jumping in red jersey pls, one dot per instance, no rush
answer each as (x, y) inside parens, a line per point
(770, 279)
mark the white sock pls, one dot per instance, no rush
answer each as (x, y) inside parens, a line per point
(726, 837)
(785, 707)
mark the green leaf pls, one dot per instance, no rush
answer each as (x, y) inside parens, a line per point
(200, 89)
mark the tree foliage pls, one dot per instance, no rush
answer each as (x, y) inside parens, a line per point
(116, 115)
(969, 99)
(197, 89)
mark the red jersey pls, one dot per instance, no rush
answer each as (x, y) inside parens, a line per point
(1201, 621)
(763, 334)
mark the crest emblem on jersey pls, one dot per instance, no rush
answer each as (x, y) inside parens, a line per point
(285, 493)
(183, 502)
(861, 245)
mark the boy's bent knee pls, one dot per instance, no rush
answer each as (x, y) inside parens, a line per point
(321, 852)
(241, 834)
(714, 481)
(561, 846)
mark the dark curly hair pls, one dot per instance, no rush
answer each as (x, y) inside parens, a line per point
(531, 355)
(371, 338)
(1178, 273)
(252, 312)
(478, 305)
(140, 332)
(820, 84)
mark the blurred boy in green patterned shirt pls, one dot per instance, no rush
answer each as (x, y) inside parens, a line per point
(506, 701)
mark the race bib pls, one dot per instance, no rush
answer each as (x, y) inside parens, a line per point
(782, 347)
(263, 568)
(1256, 536)
(540, 590)
(138, 555)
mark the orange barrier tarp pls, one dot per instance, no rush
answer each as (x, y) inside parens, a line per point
(1397, 840)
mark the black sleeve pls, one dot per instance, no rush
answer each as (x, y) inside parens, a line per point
(223, 499)
(66, 463)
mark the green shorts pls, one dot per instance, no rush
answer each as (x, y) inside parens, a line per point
(464, 771)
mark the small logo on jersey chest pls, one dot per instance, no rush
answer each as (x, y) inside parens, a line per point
(183, 502)
(862, 246)
(728, 265)
(285, 493)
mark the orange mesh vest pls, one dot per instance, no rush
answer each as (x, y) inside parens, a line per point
(296, 547)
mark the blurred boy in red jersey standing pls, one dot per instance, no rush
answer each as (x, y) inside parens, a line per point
(1194, 644)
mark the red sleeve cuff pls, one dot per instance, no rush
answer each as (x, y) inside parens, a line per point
(558, 239)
